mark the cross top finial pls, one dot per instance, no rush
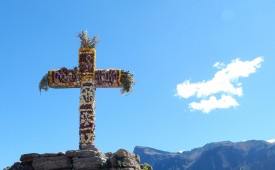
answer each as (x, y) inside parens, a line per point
(86, 42)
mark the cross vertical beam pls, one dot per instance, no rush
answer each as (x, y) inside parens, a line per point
(87, 97)
(87, 115)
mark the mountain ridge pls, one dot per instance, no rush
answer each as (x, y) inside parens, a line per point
(225, 155)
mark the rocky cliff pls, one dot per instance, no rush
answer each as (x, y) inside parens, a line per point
(249, 155)
(91, 159)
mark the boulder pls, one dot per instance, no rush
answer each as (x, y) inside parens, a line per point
(52, 163)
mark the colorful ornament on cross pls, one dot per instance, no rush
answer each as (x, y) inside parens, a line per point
(87, 78)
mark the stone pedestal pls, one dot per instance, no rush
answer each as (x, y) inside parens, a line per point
(91, 159)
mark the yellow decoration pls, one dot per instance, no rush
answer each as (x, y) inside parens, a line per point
(50, 78)
(86, 77)
(119, 77)
(83, 49)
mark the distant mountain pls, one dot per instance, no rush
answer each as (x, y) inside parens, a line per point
(248, 155)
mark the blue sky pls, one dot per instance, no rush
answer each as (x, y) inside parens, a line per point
(165, 44)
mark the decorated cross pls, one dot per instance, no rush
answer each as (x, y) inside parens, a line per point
(87, 78)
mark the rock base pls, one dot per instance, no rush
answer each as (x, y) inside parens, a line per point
(91, 159)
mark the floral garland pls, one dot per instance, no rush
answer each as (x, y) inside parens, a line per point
(127, 81)
(44, 83)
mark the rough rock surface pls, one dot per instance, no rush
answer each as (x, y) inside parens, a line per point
(91, 159)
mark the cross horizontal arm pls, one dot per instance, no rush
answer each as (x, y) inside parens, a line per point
(71, 78)
(64, 78)
(107, 78)
(114, 78)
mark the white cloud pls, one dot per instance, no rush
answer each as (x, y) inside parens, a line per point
(213, 103)
(225, 82)
(218, 65)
